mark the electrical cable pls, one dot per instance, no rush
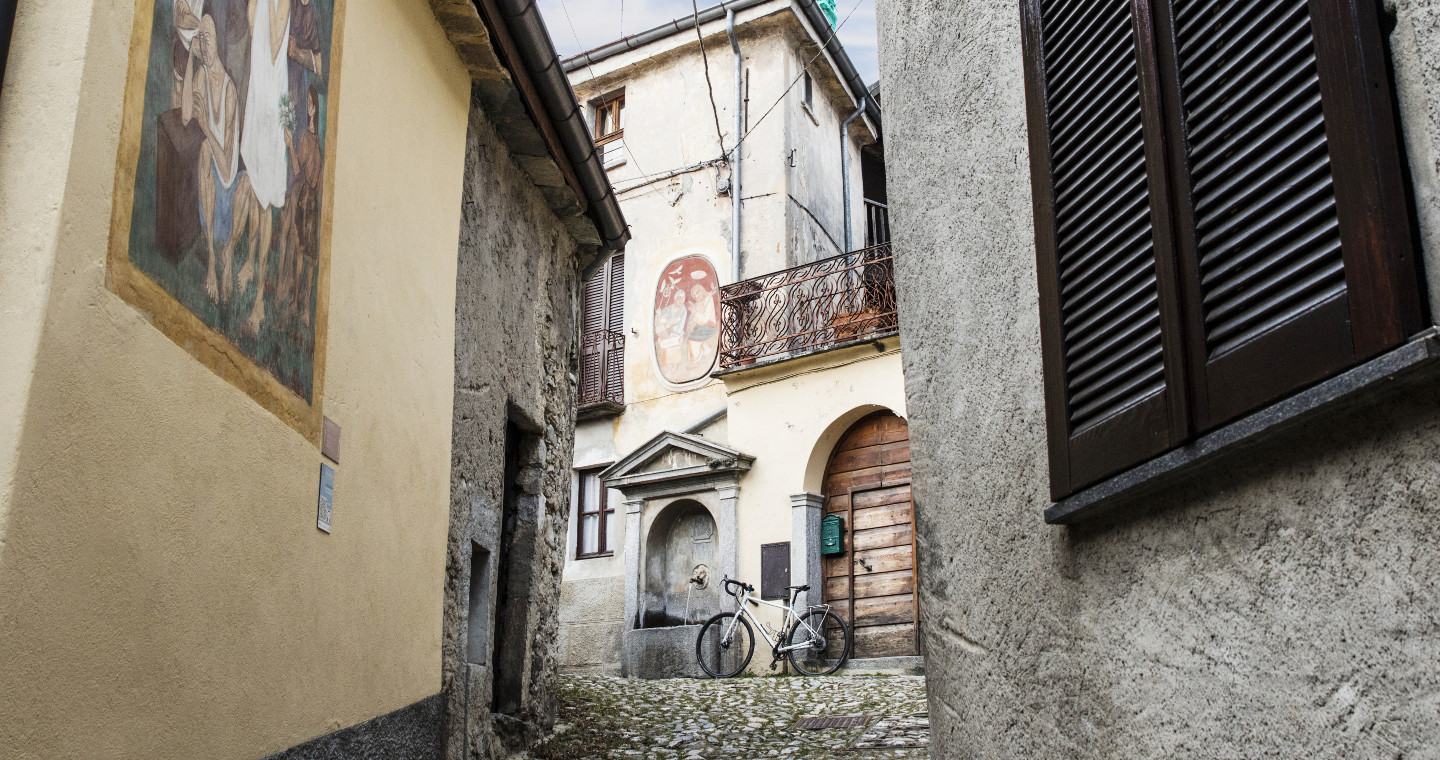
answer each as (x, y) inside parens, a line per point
(576, 34)
(813, 58)
(724, 154)
(705, 59)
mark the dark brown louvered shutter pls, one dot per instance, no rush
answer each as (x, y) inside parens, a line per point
(1294, 242)
(1109, 318)
(615, 323)
(592, 344)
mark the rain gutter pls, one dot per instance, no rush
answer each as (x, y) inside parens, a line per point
(735, 152)
(808, 9)
(648, 36)
(530, 56)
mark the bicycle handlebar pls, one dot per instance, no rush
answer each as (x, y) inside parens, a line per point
(729, 582)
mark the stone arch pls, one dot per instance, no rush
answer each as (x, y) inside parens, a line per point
(683, 538)
(825, 444)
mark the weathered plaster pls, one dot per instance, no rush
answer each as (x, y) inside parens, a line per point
(514, 360)
(792, 212)
(164, 592)
(1281, 606)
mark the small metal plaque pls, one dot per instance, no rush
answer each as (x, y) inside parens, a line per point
(834, 721)
(327, 497)
(775, 570)
(330, 440)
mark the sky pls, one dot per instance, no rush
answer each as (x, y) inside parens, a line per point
(591, 23)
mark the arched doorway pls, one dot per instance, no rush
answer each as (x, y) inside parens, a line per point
(872, 584)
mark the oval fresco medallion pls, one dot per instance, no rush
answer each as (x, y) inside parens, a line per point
(687, 320)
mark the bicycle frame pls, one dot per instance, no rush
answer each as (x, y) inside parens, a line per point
(785, 628)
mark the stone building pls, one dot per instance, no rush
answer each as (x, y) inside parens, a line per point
(1221, 545)
(287, 395)
(740, 368)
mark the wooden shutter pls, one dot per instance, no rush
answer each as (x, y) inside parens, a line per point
(615, 323)
(592, 345)
(1109, 317)
(1292, 229)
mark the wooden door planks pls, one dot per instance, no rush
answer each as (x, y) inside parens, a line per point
(872, 585)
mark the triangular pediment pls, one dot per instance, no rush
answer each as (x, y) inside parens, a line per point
(673, 455)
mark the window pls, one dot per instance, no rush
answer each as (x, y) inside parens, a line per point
(610, 130)
(592, 532)
(809, 92)
(602, 342)
(1220, 214)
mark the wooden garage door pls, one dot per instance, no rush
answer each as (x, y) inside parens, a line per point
(872, 585)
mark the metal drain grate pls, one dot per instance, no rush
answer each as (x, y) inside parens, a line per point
(834, 721)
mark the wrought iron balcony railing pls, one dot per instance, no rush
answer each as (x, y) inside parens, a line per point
(808, 308)
(877, 223)
(602, 367)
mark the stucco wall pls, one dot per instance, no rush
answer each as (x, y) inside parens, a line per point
(1282, 606)
(514, 362)
(791, 189)
(164, 592)
(789, 417)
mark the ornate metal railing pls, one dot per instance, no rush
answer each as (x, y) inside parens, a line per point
(602, 367)
(808, 308)
(877, 223)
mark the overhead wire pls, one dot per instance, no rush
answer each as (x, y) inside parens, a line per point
(705, 59)
(724, 154)
(833, 33)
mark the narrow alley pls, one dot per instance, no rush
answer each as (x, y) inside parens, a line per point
(607, 717)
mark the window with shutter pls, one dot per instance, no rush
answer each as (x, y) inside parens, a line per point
(615, 327)
(602, 343)
(1292, 225)
(1104, 262)
(1220, 219)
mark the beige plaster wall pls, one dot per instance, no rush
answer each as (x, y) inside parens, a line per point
(789, 417)
(164, 592)
(670, 125)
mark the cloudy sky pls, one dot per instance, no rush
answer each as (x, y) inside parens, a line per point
(591, 23)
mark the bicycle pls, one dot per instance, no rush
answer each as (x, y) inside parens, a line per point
(816, 641)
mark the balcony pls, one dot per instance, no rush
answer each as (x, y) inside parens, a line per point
(602, 373)
(809, 309)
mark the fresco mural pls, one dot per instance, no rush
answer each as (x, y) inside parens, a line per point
(226, 125)
(687, 320)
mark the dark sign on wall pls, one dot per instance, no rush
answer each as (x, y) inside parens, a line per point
(774, 570)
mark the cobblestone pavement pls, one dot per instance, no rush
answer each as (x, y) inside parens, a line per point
(737, 718)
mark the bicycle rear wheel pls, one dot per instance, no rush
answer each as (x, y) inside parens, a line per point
(826, 640)
(723, 649)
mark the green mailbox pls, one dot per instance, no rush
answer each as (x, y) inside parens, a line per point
(832, 535)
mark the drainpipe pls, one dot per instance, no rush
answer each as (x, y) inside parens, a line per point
(735, 153)
(845, 170)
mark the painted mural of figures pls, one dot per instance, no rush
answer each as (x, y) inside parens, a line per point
(704, 325)
(262, 142)
(304, 52)
(187, 25)
(225, 213)
(670, 330)
(687, 320)
(299, 222)
(209, 99)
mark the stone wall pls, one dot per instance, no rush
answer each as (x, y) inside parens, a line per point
(1281, 605)
(592, 621)
(514, 367)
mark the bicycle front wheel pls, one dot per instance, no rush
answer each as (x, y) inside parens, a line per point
(825, 640)
(725, 645)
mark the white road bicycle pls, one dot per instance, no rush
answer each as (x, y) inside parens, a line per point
(816, 640)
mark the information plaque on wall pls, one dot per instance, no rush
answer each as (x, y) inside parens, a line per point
(327, 496)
